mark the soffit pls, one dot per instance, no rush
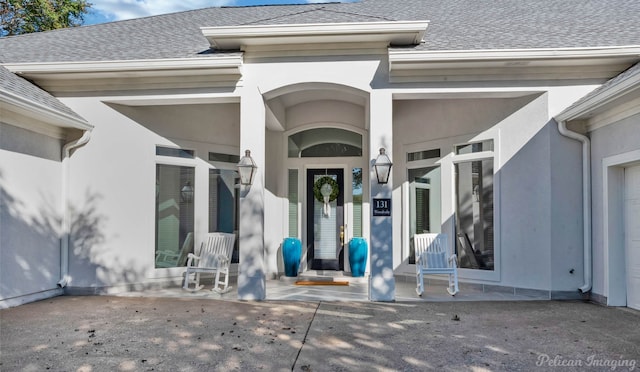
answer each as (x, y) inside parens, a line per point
(386, 33)
(511, 64)
(217, 70)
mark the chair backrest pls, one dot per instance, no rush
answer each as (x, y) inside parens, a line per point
(433, 247)
(187, 247)
(467, 253)
(215, 245)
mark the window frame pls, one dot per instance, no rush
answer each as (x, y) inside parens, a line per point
(201, 186)
(488, 275)
(410, 213)
(174, 162)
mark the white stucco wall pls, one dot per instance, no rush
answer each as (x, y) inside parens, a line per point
(113, 184)
(567, 235)
(537, 212)
(297, 117)
(525, 197)
(296, 113)
(30, 214)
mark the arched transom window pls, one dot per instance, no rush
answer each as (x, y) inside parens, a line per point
(324, 143)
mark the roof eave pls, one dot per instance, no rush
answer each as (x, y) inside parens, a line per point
(44, 113)
(227, 64)
(400, 60)
(605, 97)
(389, 33)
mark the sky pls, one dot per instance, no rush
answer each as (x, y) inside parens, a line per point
(116, 10)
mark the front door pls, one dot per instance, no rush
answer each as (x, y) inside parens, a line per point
(325, 219)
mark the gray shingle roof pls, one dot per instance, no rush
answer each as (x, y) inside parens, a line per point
(17, 86)
(506, 24)
(454, 25)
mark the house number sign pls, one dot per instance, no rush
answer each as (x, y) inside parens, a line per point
(382, 207)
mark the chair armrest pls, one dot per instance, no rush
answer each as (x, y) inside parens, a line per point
(419, 262)
(222, 260)
(454, 258)
(192, 257)
(167, 254)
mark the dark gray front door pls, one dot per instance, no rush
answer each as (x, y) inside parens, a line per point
(325, 219)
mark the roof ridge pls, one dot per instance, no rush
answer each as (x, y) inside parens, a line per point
(278, 4)
(316, 8)
(361, 14)
(282, 16)
(171, 14)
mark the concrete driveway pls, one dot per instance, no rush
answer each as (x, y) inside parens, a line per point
(104, 333)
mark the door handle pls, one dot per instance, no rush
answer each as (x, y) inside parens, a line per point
(341, 235)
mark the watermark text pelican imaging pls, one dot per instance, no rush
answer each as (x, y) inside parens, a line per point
(593, 361)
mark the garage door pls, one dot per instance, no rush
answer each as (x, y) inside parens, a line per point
(632, 234)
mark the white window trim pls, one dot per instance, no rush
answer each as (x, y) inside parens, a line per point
(201, 163)
(405, 267)
(482, 275)
(447, 162)
(406, 204)
(172, 272)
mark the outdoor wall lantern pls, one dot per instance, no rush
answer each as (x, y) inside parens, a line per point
(186, 192)
(247, 169)
(383, 167)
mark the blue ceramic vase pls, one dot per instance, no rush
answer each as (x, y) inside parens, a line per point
(358, 256)
(291, 253)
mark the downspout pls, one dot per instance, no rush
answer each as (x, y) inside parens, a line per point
(66, 214)
(586, 200)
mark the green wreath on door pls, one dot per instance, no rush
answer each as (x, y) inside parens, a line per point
(335, 188)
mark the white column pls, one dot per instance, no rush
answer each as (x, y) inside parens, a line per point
(382, 286)
(251, 270)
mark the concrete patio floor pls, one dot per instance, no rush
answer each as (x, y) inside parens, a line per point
(285, 289)
(118, 333)
(319, 328)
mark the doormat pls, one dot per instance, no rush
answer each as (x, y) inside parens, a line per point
(321, 282)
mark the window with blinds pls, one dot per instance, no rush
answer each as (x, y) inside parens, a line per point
(293, 203)
(424, 203)
(223, 199)
(357, 201)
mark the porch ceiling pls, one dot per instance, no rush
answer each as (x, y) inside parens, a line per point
(279, 100)
(292, 99)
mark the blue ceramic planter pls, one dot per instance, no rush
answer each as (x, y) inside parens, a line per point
(358, 256)
(291, 253)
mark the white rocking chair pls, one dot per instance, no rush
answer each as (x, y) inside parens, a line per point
(214, 256)
(431, 258)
